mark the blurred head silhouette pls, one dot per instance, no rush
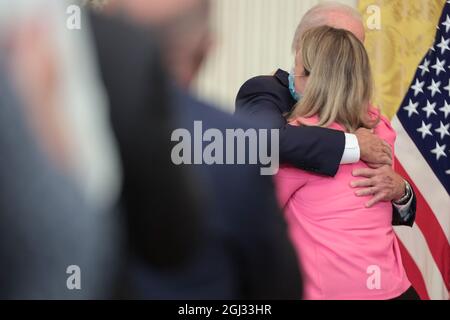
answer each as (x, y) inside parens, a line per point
(183, 28)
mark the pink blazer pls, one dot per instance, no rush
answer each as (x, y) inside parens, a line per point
(346, 251)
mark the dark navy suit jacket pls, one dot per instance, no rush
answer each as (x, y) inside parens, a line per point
(245, 252)
(267, 98)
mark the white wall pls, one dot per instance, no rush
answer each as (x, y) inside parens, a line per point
(253, 37)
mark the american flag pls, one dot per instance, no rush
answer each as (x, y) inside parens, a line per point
(423, 157)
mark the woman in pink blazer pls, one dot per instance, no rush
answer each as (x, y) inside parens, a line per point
(347, 250)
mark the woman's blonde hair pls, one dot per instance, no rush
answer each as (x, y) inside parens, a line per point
(339, 87)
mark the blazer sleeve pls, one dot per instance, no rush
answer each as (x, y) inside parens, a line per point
(313, 149)
(386, 132)
(398, 220)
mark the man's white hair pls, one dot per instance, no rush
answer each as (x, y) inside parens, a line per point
(319, 16)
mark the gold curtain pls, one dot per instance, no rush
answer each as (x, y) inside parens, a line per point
(407, 32)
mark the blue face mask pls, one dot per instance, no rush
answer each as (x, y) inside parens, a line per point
(295, 95)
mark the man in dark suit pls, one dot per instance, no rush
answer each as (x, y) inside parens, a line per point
(269, 98)
(236, 246)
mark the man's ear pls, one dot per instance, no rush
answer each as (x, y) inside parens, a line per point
(296, 56)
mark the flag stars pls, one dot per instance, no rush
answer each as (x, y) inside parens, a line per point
(446, 23)
(425, 67)
(439, 151)
(447, 88)
(434, 87)
(439, 66)
(443, 130)
(418, 87)
(445, 109)
(429, 109)
(443, 45)
(425, 130)
(411, 108)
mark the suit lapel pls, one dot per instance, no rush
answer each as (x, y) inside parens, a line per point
(282, 76)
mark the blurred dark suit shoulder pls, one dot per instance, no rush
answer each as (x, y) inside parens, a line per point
(246, 252)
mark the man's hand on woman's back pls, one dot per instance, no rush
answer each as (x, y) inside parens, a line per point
(383, 184)
(373, 150)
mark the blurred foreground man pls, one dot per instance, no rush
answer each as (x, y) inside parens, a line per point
(243, 251)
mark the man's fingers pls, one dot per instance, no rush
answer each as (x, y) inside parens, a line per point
(387, 151)
(364, 172)
(377, 198)
(375, 165)
(361, 183)
(366, 192)
(386, 160)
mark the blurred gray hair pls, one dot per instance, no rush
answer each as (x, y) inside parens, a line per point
(318, 16)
